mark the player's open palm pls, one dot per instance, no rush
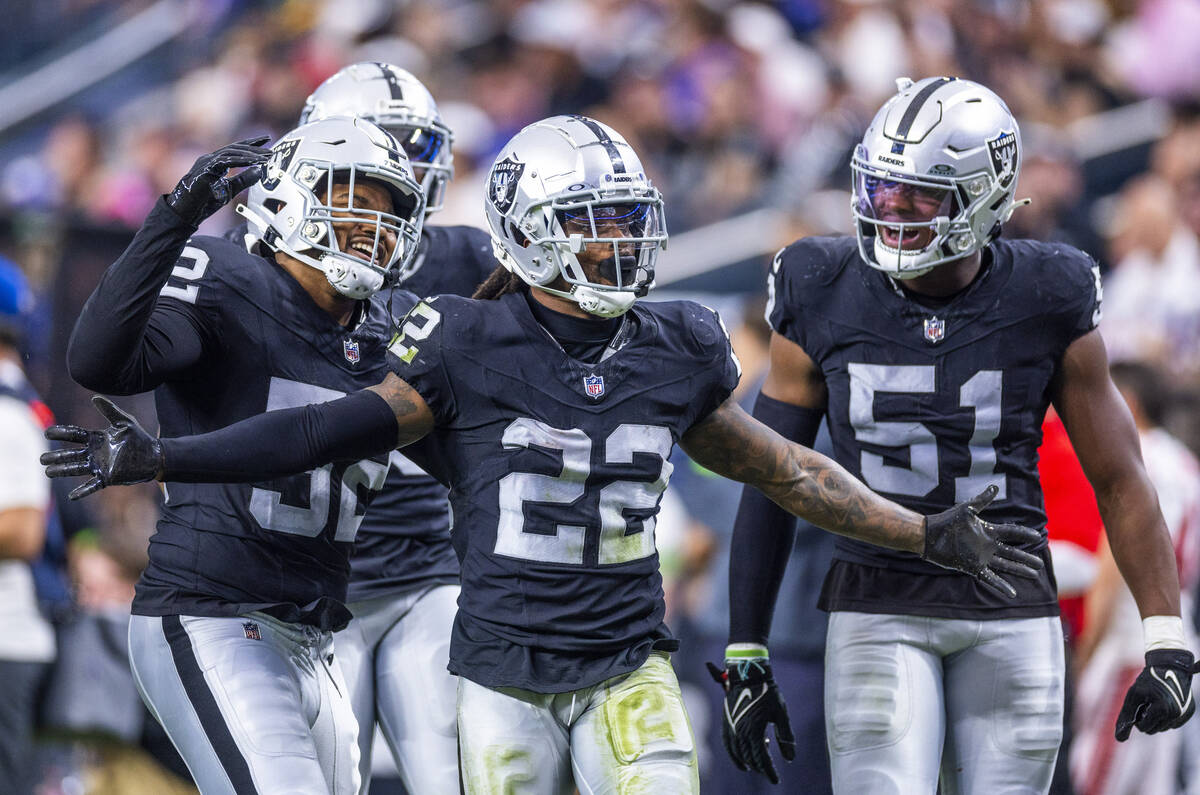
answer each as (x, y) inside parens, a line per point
(959, 539)
(121, 454)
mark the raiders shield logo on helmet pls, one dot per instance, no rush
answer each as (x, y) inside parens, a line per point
(503, 184)
(281, 157)
(1003, 149)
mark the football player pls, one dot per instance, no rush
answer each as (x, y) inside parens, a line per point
(231, 635)
(404, 575)
(551, 411)
(933, 347)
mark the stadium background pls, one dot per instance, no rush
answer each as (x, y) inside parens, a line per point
(744, 112)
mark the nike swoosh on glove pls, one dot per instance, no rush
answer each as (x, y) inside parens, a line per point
(753, 702)
(1161, 696)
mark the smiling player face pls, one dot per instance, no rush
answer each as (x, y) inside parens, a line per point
(356, 236)
(901, 202)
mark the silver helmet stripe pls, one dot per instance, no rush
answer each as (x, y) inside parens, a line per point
(606, 141)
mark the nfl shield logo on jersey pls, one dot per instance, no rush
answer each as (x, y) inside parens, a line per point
(350, 348)
(593, 385)
(935, 329)
(252, 631)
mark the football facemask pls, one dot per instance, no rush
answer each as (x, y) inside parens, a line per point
(934, 176)
(316, 185)
(567, 198)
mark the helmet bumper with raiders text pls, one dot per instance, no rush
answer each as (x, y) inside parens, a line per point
(399, 103)
(569, 185)
(290, 209)
(934, 175)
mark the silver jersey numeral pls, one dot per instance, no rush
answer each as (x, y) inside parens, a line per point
(566, 545)
(982, 392)
(272, 513)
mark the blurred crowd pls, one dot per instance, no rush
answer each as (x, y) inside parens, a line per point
(734, 106)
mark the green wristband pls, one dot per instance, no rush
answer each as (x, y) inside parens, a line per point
(746, 651)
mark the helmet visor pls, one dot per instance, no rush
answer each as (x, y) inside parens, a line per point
(620, 239)
(422, 146)
(905, 212)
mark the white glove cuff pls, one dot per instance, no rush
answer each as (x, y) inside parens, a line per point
(1163, 632)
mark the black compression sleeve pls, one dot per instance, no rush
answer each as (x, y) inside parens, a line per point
(763, 533)
(111, 349)
(285, 442)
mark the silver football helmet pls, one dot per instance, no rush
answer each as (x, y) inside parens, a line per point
(398, 102)
(570, 182)
(291, 210)
(934, 175)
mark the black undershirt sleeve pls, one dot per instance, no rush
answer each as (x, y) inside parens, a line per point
(763, 533)
(285, 442)
(120, 344)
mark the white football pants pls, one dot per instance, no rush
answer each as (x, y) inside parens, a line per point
(253, 705)
(393, 656)
(907, 697)
(626, 734)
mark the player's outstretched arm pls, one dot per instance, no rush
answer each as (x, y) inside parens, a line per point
(1105, 438)
(120, 344)
(275, 444)
(811, 486)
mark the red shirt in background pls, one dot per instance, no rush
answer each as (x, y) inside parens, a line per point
(1071, 512)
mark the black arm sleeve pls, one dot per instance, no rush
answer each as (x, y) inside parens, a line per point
(285, 442)
(120, 345)
(763, 533)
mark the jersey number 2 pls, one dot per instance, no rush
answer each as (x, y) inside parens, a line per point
(981, 392)
(565, 543)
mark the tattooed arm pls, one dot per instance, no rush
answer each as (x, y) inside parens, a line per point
(806, 483)
(732, 443)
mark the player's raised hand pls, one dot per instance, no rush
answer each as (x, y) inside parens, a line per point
(1161, 696)
(752, 703)
(959, 539)
(206, 188)
(121, 454)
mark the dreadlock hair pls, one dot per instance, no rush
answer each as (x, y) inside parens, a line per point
(499, 282)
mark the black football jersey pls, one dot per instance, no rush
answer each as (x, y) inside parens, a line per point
(556, 468)
(281, 546)
(404, 539)
(930, 405)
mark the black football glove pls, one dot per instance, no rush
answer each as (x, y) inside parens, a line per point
(121, 454)
(958, 539)
(205, 189)
(752, 702)
(1161, 696)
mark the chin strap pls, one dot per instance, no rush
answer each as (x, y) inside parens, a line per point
(350, 277)
(603, 303)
